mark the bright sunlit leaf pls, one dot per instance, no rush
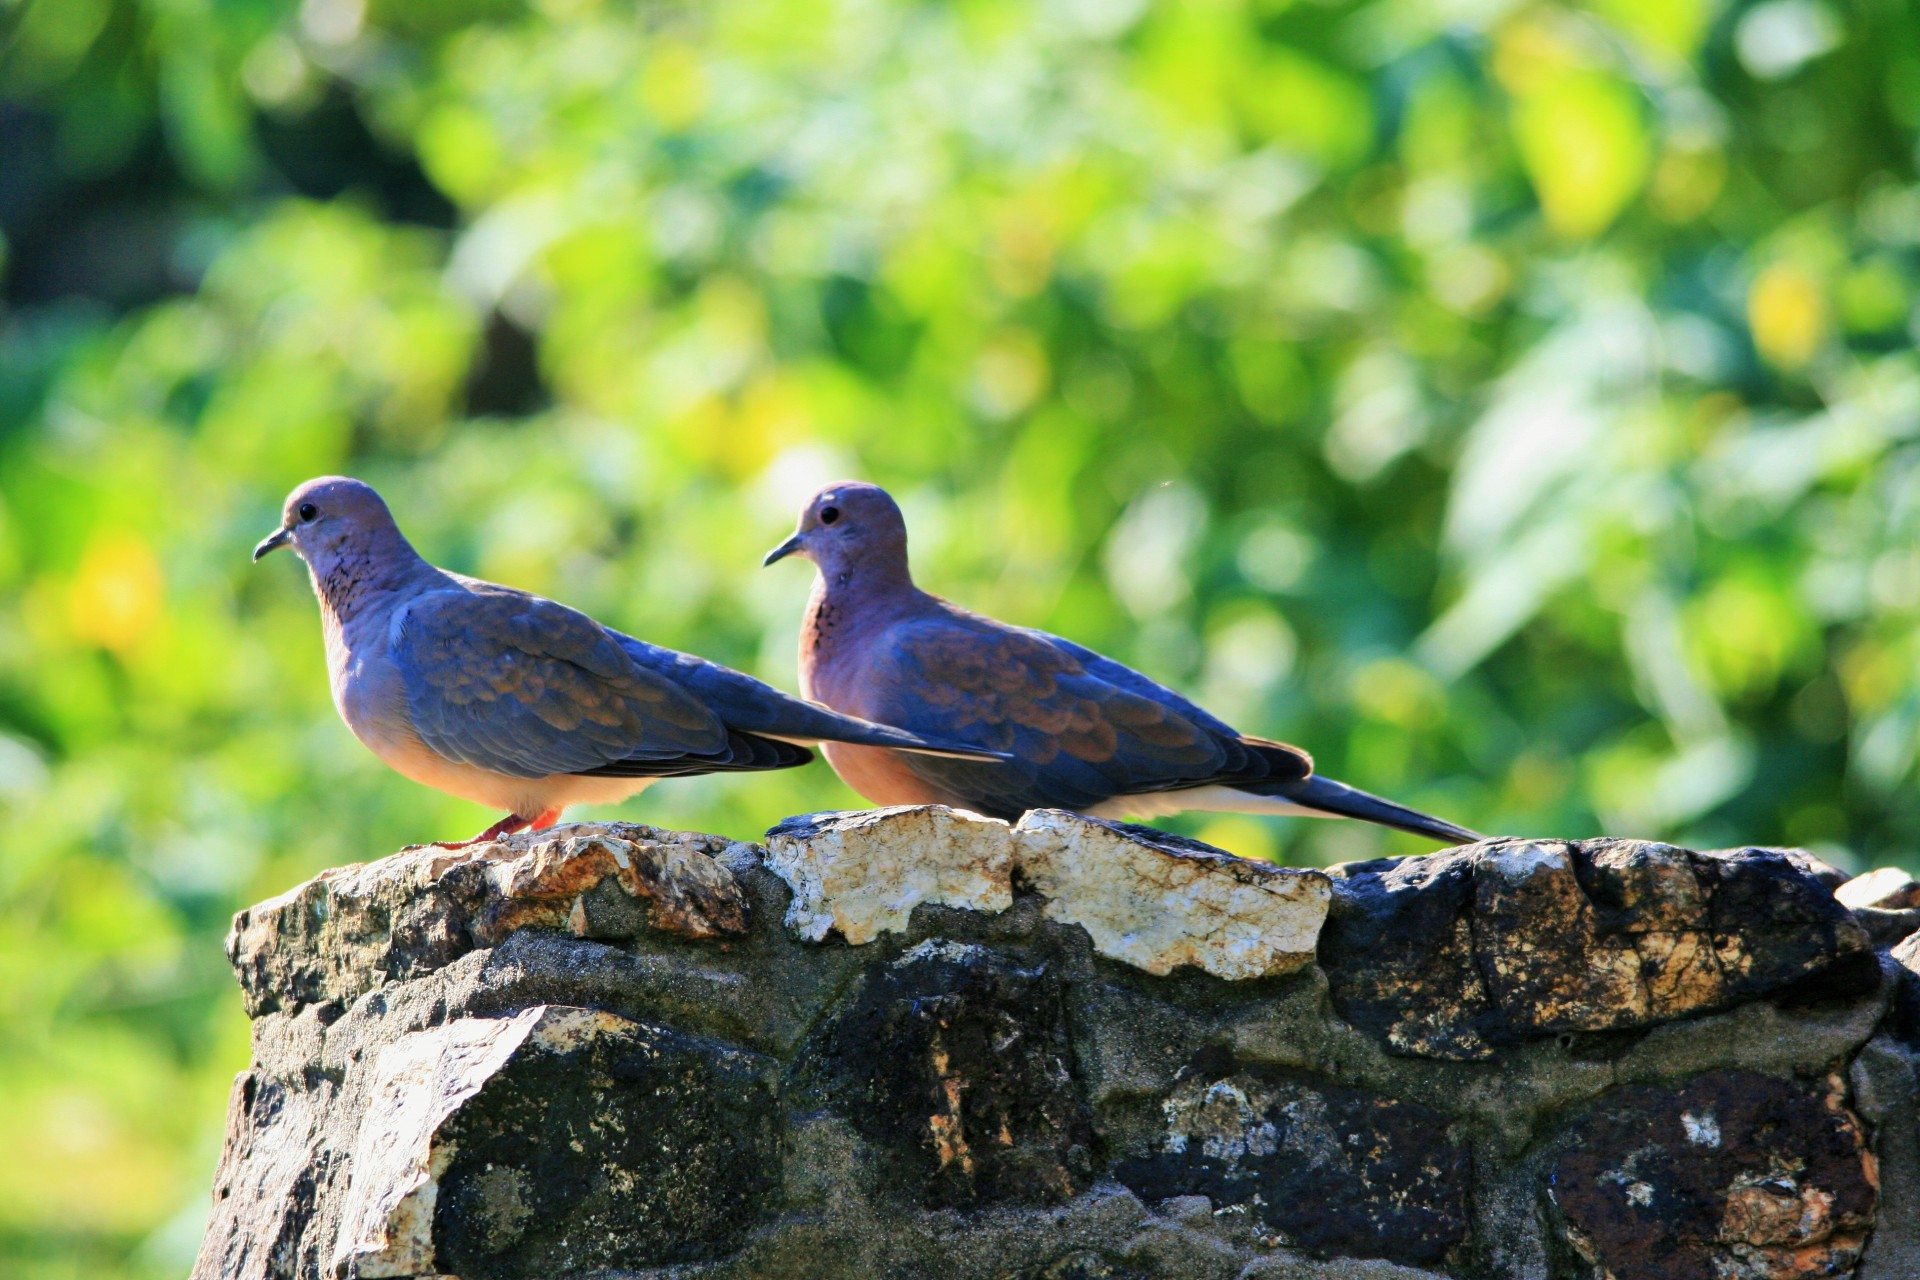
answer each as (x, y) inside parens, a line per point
(1584, 143)
(1673, 28)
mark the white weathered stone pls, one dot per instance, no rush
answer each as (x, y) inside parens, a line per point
(1151, 899)
(1521, 860)
(1170, 902)
(419, 1081)
(862, 873)
(1888, 889)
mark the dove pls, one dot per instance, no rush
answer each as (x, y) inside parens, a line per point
(515, 701)
(1085, 733)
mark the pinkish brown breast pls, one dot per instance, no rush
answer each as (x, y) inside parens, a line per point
(880, 775)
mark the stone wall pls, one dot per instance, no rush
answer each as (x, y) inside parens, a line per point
(919, 1043)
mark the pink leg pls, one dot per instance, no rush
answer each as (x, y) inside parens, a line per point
(505, 827)
(544, 821)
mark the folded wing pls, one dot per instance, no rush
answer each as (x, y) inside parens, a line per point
(754, 706)
(525, 687)
(1081, 728)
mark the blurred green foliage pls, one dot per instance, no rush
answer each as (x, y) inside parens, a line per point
(1512, 401)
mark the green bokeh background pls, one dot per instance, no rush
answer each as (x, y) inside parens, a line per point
(1512, 401)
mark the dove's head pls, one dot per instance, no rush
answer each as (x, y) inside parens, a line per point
(332, 520)
(850, 529)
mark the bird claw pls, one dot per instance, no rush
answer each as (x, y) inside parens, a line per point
(449, 846)
(505, 827)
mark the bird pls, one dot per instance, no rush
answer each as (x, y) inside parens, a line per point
(1086, 733)
(515, 701)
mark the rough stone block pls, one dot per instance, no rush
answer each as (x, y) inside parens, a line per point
(265, 1187)
(1331, 1169)
(1885, 1078)
(957, 1060)
(861, 873)
(679, 885)
(1399, 953)
(347, 930)
(1731, 1176)
(1158, 901)
(1906, 994)
(1450, 955)
(1154, 900)
(1775, 926)
(1888, 889)
(555, 1139)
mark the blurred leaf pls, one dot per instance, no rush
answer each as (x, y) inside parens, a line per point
(1581, 137)
(1673, 28)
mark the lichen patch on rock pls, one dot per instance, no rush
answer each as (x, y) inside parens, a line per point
(1330, 1168)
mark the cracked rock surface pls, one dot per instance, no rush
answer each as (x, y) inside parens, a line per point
(1451, 955)
(917, 1042)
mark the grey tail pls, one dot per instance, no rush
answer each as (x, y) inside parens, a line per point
(1344, 801)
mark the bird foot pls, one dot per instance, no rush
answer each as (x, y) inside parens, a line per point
(505, 827)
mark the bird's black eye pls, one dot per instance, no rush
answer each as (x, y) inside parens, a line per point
(307, 511)
(829, 514)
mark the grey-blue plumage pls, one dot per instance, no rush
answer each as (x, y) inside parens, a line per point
(1083, 732)
(514, 700)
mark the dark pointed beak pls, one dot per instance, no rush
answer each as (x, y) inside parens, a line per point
(784, 550)
(273, 542)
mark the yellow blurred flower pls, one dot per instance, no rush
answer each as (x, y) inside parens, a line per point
(1787, 311)
(117, 593)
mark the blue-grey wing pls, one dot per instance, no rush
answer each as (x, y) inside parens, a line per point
(1081, 728)
(1121, 676)
(526, 687)
(754, 706)
(741, 701)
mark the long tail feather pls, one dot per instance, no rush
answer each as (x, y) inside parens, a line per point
(866, 733)
(1344, 801)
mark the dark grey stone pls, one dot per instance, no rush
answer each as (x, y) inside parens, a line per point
(1457, 955)
(1731, 1174)
(1331, 1169)
(957, 1061)
(639, 1149)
